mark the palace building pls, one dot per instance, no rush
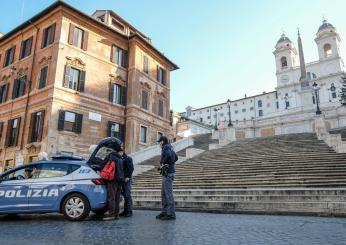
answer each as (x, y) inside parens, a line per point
(68, 79)
(292, 106)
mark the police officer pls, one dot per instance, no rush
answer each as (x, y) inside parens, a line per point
(126, 188)
(167, 166)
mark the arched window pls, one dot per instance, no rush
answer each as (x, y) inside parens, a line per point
(283, 62)
(327, 50)
(333, 91)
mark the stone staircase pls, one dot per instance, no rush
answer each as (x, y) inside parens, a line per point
(293, 173)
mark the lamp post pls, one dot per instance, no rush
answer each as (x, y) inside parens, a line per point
(229, 113)
(216, 110)
(316, 89)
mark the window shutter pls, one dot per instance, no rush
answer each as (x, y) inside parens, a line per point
(163, 76)
(109, 129)
(15, 87)
(111, 91)
(123, 96)
(85, 40)
(22, 49)
(70, 35)
(125, 59)
(81, 83)
(1, 128)
(32, 127)
(78, 123)
(4, 99)
(113, 48)
(22, 85)
(40, 132)
(8, 132)
(30, 45)
(158, 73)
(43, 77)
(52, 34)
(122, 129)
(44, 38)
(17, 133)
(67, 76)
(61, 120)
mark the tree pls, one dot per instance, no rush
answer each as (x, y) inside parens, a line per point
(343, 92)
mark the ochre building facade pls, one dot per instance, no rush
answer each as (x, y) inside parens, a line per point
(68, 80)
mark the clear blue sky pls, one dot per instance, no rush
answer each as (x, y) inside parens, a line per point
(224, 48)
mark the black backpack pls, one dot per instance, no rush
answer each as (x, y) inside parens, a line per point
(119, 167)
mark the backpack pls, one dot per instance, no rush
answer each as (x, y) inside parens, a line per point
(119, 171)
(108, 171)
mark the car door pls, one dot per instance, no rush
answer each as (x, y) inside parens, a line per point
(47, 189)
(14, 187)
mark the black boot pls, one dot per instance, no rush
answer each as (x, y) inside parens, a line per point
(160, 215)
(123, 213)
(128, 214)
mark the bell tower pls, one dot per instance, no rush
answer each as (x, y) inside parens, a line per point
(328, 41)
(285, 54)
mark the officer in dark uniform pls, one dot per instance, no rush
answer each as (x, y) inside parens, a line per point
(167, 168)
(126, 188)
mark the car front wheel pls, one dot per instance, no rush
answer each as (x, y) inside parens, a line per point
(75, 207)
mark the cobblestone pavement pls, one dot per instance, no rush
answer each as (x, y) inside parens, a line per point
(189, 228)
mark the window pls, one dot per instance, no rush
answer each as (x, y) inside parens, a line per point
(143, 136)
(1, 129)
(26, 48)
(3, 93)
(36, 126)
(119, 56)
(70, 121)
(243, 110)
(8, 165)
(116, 130)
(221, 114)
(74, 79)
(13, 127)
(27, 172)
(283, 62)
(200, 119)
(118, 25)
(144, 103)
(48, 36)
(43, 77)
(159, 135)
(259, 103)
(50, 170)
(145, 64)
(327, 48)
(117, 94)
(251, 108)
(18, 87)
(208, 117)
(268, 105)
(260, 113)
(160, 108)
(236, 111)
(161, 75)
(9, 56)
(78, 37)
(332, 90)
(277, 105)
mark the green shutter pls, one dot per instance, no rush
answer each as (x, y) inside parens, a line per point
(61, 120)
(81, 83)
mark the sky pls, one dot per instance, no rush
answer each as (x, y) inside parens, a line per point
(223, 47)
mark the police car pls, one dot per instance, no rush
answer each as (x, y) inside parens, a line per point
(65, 184)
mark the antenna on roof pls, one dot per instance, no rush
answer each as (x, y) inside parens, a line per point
(22, 11)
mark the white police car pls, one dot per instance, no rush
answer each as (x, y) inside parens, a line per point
(66, 185)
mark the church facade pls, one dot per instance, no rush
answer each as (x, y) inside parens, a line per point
(292, 106)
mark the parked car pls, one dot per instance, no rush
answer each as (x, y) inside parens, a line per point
(65, 184)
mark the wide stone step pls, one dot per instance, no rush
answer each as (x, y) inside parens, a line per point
(243, 198)
(314, 208)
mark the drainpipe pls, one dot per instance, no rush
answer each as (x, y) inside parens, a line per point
(29, 87)
(127, 85)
